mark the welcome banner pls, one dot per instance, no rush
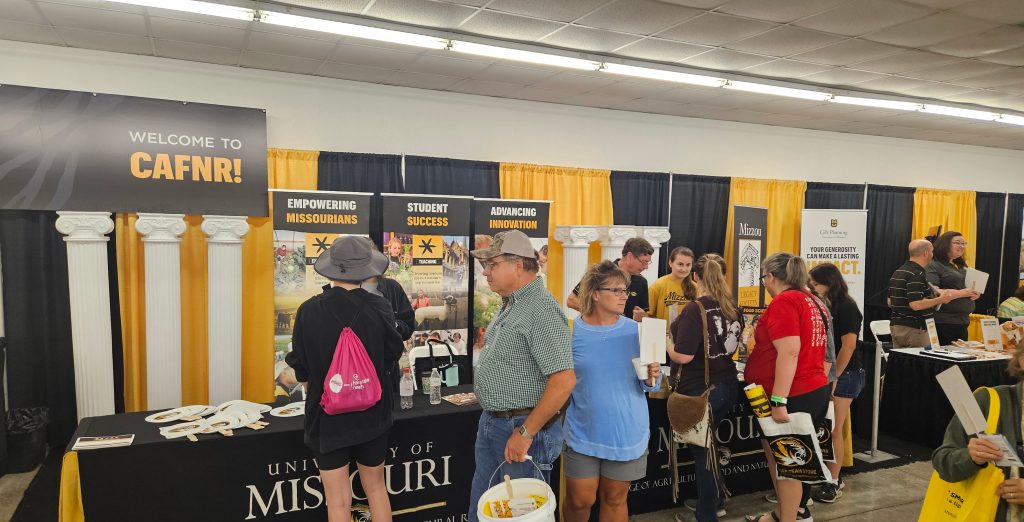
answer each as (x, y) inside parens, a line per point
(491, 216)
(838, 237)
(426, 239)
(68, 150)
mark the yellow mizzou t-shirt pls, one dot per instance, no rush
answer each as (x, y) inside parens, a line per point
(664, 293)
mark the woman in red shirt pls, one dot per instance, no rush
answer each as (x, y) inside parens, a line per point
(789, 361)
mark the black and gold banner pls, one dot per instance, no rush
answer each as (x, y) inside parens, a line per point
(68, 150)
(491, 216)
(750, 241)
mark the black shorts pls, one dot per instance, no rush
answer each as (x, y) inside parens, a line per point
(813, 402)
(370, 454)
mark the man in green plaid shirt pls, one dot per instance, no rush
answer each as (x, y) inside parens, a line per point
(524, 375)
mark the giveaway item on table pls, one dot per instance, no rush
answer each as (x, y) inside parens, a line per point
(950, 355)
(110, 441)
(461, 399)
(166, 416)
(795, 448)
(185, 429)
(289, 410)
(1011, 334)
(239, 404)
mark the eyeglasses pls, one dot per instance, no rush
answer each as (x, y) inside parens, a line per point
(960, 243)
(490, 265)
(617, 291)
(764, 276)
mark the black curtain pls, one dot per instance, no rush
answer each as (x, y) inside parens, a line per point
(890, 225)
(989, 242)
(839, 196)
(351, 172)
(700, 208)
(641, 198)
(1014, 246)
(424, 175)
(37, 317)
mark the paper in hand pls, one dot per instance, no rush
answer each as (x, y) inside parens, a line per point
(1010, 457)
(652, 340)
(960, 397)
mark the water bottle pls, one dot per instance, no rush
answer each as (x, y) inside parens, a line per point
(435, 387)
(405, 389)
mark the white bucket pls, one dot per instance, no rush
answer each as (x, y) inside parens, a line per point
(522, 487)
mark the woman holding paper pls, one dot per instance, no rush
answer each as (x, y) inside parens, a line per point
(948, 271)
(961, 456)
(724, 324)
(789, 362)
(607, 424)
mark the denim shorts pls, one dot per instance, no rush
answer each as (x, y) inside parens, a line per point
(849, 384)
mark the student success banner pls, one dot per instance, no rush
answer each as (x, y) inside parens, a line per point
(68, 150)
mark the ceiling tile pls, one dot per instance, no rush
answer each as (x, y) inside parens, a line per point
(358, 73)
(995, 80)
(20, 11)
(279, 62)
(704, 95)
(930, 30)
(575, 83)
(941, 4)
(586, 39)
(602, 101)
(784, 105)
(955, 70)
(785, 41)
(421, 12)
(786, 69)
(1014, 57)
(447, 66)
(42, 34)
(562, 10)
(541, 95)
(741, 100)
(715, 29)
(516, 74)
(474, 3)
(512, 27)
(724, 59)
(118, 43)
(864, 16)
(207, 34)
(638, 16)
(646, 105)
(782, 11)
(847, 52)
(892, 84)
(340, 6)
(422, 80)
(661, 50)
(699, 111)
(994, 41)
(486, 88)
(62, 15)
(372, 56)
(197, 52)
(101, 4)
(999, 11)
(636, 88)
(937, 90)
(697, 4)
(274, 43)
(840, 76)
(905, 61)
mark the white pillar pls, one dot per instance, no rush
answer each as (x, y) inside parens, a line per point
(656, 236)
(161, 235)
(613, 238)
(90, 309)
(575, 241)
(224, 301)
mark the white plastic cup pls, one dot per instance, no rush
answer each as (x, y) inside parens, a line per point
(641, 369)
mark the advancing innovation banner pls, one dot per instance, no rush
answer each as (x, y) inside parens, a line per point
(838, 237)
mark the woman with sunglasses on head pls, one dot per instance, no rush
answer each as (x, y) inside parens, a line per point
(948, 271)
(789, 362)
(607, 424)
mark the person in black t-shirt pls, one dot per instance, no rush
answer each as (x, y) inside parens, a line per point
(636, 257)
(828, 283)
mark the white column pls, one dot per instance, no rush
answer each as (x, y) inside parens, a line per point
(161, 235)
(90, 309)
(224, 300)
(613, 238)
(656, 236)
(575, 241)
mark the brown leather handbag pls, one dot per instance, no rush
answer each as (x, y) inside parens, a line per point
(690, 416)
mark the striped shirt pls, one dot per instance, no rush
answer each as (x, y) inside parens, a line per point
(527, 341)
(908, 284)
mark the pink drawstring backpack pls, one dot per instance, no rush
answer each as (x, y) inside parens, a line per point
(351, 384)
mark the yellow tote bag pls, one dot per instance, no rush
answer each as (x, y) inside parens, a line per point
(971, 500)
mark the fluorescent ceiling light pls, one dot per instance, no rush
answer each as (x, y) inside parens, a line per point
(1011, 119)
(192, 6)
(874, 102)
(659, 74)
(761, 88)
(505, 53)
(355, 31)
(958, 112)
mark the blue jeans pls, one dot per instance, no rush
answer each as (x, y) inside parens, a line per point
(709, 493)
(491, 436)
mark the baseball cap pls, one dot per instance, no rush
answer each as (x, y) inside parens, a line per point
(508, 242)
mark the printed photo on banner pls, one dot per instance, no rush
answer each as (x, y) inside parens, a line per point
(432, 270)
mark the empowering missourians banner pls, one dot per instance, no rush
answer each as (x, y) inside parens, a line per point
(838, 237)
(305, 225)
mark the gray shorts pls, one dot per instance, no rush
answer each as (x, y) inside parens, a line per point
(580, 466)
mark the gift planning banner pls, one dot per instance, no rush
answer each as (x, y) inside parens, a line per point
(491, 216)
(426, 239)
(838, 237)
(305, 225)
(68, 150)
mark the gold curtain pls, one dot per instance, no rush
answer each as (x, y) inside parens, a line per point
(286, 169)
(784, 201)
(953, 209)
(578, 196)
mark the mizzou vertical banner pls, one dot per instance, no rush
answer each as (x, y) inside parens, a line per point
(491, 216)
(838, 237)
(750, 240)
(305, 225)
(426, 239)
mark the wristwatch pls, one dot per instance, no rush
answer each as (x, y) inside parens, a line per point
(524, 433)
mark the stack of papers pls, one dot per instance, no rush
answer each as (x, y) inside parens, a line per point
(109, 441)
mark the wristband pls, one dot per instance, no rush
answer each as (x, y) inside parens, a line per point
(777, 401)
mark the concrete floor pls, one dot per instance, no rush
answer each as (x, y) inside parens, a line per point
(12, 488)
(892, 494)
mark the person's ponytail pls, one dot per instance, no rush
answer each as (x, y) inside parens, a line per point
(710, 268)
